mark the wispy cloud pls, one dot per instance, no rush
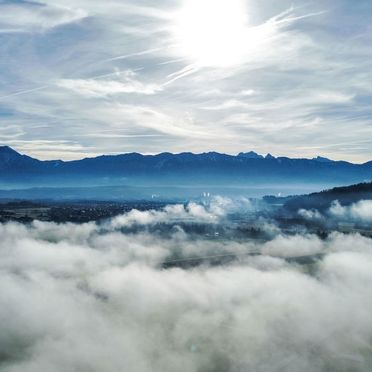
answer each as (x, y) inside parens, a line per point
(302, 91)
(102, 88)
(34, 16)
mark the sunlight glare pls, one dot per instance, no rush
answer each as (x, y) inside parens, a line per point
(212, 32)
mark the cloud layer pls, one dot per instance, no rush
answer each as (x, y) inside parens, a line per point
(94, 297)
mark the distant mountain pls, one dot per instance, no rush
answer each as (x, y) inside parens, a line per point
(269, 157)
(209, 169)
(13, 164)
(250, 155)
(11, 161)
(322, 159)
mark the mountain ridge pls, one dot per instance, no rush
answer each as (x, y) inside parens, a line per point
(184, 168)
(345, 195)
(245, 155)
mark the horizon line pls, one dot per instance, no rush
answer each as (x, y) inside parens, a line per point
(260, 156)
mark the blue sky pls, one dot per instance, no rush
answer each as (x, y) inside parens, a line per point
(87, 77)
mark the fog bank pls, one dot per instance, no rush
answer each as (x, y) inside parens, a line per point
(95, 297)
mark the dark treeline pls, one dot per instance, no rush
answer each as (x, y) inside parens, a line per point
(322, 200)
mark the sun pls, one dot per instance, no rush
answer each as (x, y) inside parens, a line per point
(212, 32)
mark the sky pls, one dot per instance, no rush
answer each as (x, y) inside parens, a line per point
(88, 77)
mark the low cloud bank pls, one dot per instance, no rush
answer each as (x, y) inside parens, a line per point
(357, 213)
(214, 211)
(94, 297)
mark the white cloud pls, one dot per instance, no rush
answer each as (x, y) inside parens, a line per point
(104, 88)
(311, 214)
(360, 211)
(121, 310)
(294, 246)
(213, 212)
(25, 17)
(11, 132)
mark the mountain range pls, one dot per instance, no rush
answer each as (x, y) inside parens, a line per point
(187, 169)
